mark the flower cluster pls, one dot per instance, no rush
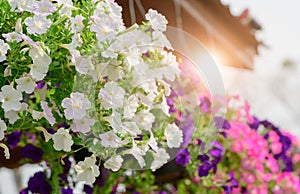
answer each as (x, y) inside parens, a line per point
(74, 77)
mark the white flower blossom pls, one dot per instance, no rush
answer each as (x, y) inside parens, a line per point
(164, 106)
(157, 21)
(77, 24)
(110, 139)
(12, 36)
(67, 7)
(62, 140)
(130, 106)
(3, 128)
(115, 121)
(112, 96)
(160, 40)
(131, 128)
(38, 24)
(114, 163)
(170, 70)
(161, 157)
(174, 136)
(81, 63)
(13, 115)
(6, 151)
(36, 115)
(26, 84)
(47, 112)
(144, 119)
(82, 125)
(7, 71)
(43, 7)
(25, 5)
(107, 21)
(41, 62)
(87, 170)
(10, 98)
(76, 106)
(3, 50)
(137, 154)
(47, 135)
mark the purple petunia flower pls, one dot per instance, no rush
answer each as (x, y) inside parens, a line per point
(38, 184)
(88, 189)
(204, 169)
(67, 165)
(232, 180)
(255, 124)
(67, 191)
(221, 123)
(13, 139)
(32, 152)
(205, 104)
(139, 138)
(227, 189)
(203, 158)
(63, 179)
(40, 85)
(187, 129)
(24, 191)
(217, 151)
(183, 158)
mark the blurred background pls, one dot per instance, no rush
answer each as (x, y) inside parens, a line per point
(273, 87)
(256, 44)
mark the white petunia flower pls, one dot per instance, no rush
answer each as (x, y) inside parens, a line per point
(144, 119)
(137, 154)
(43, 7)
(67, 7)
(13, 115)
(13, 5)
(131, 128)
(47, 112)
(12, 36)
(161, 157)
(3, 50)
(164, 106)
(26, 84)
(3, 128)
(115, 121)
(47, 135)
(76, 106)
(153, 143)
(160, 40)
(170, 70)
(81, 63)
(87, 170)
(83, 125)
(112, 96)
(36, 115)
(6, 151)
(10, 98)
(77, 24)
(25, 5)
(174, 136)
(62, 140)
(7, 71)
(130, 106)
(37, 24)
(110, 139)
(114, 163)
(41, 62)
(157, 21)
